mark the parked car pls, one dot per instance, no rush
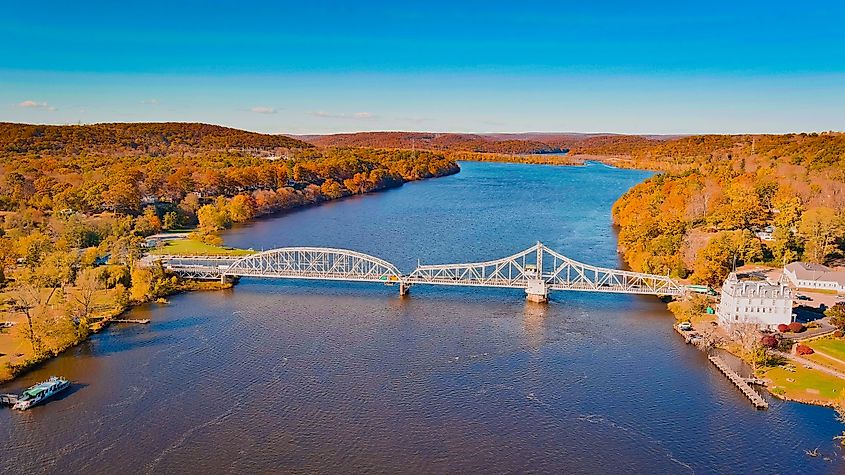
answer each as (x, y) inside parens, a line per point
(804, 297)
(685, 326)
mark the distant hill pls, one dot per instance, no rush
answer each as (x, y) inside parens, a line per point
(135, 138)
(514, 143)
(431, 141)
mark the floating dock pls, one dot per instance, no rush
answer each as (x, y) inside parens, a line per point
(740, 382)
(124, 320)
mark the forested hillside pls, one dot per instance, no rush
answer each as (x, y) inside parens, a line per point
(704, 215)
(519, 143)
(75, 198)
(432, 141)
(134, 138)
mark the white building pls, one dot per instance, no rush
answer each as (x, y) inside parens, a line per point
(765, 234)
(761, 302)
(806, 275)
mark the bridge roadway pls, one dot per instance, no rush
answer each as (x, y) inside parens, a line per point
(537, 270)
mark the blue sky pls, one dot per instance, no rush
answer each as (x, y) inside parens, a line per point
(469, 66)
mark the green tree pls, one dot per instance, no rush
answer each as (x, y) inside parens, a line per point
(821, 228)
(171, 220)
(836, 314)
(148, 223)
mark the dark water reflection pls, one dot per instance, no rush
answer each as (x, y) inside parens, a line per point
(278, 376)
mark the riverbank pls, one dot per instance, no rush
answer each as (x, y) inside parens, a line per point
(17, 356)
(787, 377)
(482, 354)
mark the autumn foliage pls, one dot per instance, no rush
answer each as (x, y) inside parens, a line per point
(803, 350)
(702, 217)
(769, 341)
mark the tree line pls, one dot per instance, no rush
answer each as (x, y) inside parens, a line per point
(715, 210)
(73, 226)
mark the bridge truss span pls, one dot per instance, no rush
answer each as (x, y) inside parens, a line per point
(568, 274)
(511, 271)
(315, 263)
(537, 270)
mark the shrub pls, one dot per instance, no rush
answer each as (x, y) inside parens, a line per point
(796, 327)
(783, 328)
(803, 350)
(769, 341)
(785, 344)
(838, 333)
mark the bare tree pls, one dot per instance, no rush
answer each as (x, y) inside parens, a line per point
(88, 282)
(27, 300)
(747, 335)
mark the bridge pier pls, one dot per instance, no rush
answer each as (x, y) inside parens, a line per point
(537, 291)
(404, 289)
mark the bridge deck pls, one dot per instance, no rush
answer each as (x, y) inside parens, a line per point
(537, 269)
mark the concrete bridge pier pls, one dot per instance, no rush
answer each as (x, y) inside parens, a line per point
(404, 289)
(537, 291)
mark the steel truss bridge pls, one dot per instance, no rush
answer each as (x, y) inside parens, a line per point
(537, 270)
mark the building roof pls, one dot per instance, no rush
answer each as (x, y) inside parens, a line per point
(755, 288)
(816, 272)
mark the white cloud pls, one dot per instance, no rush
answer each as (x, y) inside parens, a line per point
(36, 105)
(332, 115)
(150, 102)
(263, 110)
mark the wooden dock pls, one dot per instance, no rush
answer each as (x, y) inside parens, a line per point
(740, 382)
(124, 320)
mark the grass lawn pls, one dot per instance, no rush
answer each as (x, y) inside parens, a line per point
(197, 248)
(825, 361)
(834, 347)
(805, 385)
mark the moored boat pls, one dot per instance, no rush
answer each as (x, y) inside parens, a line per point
(41, 392)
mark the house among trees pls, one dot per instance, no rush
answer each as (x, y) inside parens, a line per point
(765, 234)
(760, 302)
(807, 275)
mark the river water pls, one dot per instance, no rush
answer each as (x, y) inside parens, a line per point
(281, 376)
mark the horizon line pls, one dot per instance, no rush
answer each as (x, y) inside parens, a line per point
(318, 134)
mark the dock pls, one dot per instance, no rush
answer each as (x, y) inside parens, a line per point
(8, 399)
(124, 320)
(691, 337)
(740, 382)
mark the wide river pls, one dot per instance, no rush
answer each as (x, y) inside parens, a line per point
(281, 376)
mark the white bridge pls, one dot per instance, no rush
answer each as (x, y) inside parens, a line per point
(537, 269)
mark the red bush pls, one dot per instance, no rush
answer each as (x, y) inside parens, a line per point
(803, 350)
(796, 327)
(838, 333)
(769, 341)
(783, 327)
